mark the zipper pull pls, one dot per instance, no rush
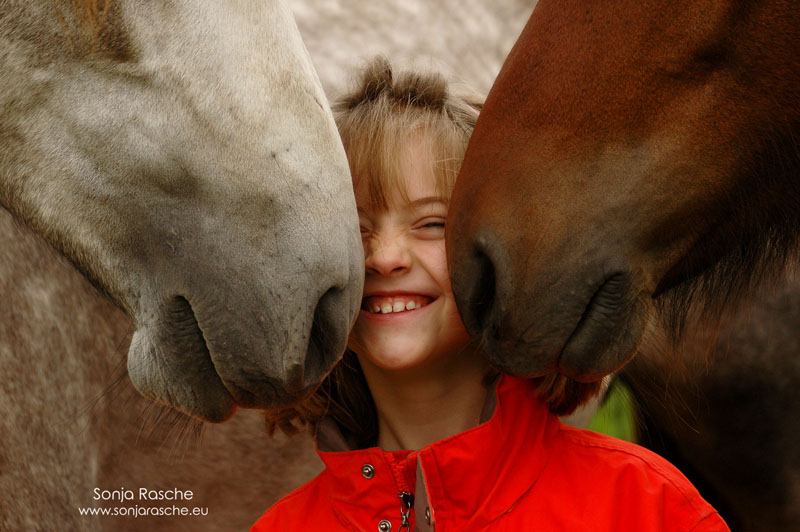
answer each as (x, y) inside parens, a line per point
(406, 503)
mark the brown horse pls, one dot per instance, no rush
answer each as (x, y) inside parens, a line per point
(635, 159)
(631, 156)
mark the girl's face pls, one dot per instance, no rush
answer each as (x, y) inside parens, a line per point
(408, 315)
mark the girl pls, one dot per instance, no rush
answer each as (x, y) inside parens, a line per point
(416, 431)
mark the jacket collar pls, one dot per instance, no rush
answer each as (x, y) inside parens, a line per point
(461, 482)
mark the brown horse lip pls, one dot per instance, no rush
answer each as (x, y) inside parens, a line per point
(608, 332)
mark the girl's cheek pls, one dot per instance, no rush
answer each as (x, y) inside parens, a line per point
(367, 242)
(353, 343)
(438, 257)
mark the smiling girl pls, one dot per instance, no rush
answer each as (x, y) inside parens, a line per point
(416, 431)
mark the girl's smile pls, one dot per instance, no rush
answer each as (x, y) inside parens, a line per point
(391, 309)
(394, 302)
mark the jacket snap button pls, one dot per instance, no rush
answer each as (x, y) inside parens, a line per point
(428, 515)
(385, 526)
(368, 471)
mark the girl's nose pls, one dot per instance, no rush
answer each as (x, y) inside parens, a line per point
(387, 256)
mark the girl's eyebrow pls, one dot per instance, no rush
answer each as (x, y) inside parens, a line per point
(420, 202)
(427, 200)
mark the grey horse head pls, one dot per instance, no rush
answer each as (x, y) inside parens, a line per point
(183, 157)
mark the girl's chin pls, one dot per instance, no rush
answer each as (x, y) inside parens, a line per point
(397, 360)
(392, 356)
(403, 357)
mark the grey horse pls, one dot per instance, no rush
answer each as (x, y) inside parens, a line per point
(181, 157)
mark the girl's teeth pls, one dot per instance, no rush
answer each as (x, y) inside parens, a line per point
(388, 307)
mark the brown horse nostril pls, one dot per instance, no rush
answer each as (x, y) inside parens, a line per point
(482, 294)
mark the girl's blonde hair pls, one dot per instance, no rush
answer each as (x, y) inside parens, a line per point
(385, 113)
(380, 117)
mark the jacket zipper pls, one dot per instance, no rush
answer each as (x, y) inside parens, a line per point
(406, 503)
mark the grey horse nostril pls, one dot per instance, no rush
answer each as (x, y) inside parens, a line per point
(323, 350)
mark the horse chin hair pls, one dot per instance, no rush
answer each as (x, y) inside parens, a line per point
(157, 423)
(563, 395)
(170, 428)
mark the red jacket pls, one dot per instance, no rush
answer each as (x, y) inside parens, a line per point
(520, 470)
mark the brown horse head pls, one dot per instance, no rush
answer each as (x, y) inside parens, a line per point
(629, 153)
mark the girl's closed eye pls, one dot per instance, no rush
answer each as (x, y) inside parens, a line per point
(365, 225)
(431, 227)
